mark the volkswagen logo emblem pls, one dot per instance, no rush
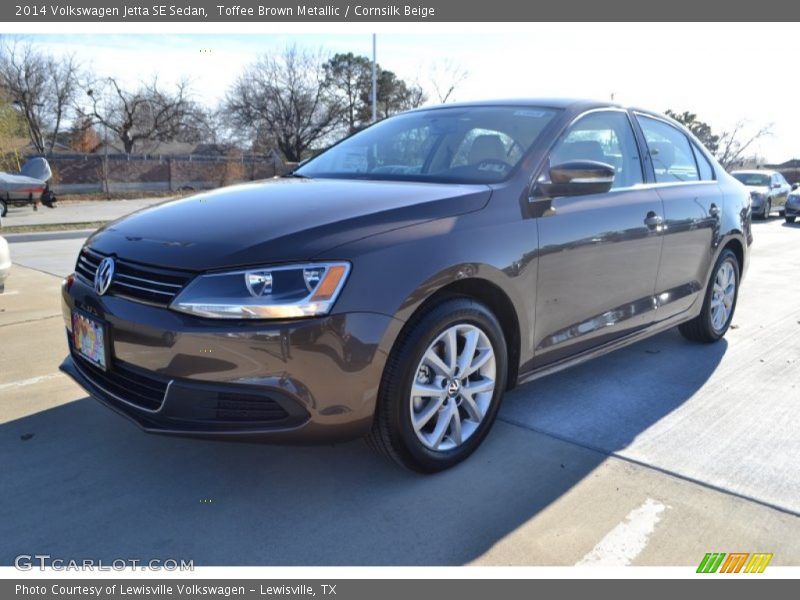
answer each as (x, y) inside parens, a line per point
(104, 275)
(454, 388)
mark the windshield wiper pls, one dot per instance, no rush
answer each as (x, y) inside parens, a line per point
(294, 174)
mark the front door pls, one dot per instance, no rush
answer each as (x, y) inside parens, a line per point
(598, 253)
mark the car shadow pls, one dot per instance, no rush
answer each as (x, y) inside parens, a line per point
(80, 482)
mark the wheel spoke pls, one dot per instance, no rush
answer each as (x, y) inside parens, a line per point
(442, 425)
(455, 425)
(473, 410)
(468, 353)
(483, 357)
(727, 301)
(478, 387)
(450, 349)
(426, 390)
(434, 361)
(422, 418)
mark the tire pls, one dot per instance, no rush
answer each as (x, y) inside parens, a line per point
(453, 413)
(790, 219)
(767, 210)
(708, 326)
(49, 199)
(3, 208)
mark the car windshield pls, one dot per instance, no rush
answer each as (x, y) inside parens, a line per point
(758, 179)
(447, 145)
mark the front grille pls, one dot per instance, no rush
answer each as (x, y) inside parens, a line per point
(126, 384)
(248, 407)
(152, 285)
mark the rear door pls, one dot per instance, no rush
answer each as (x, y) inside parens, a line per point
(598, 253)
(686, 182)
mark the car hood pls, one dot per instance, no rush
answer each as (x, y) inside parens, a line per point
(277, 221)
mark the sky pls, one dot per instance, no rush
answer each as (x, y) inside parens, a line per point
(723, 72)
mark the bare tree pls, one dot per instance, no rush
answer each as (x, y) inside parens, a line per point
(42, 88)
(445, 76)
(149, 113)
(734, 143)
(287, 96)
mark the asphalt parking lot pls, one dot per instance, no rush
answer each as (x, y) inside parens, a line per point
(653, 455)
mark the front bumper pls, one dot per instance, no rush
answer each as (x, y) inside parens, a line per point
(757, 204)
(792, 210)
(301, 381)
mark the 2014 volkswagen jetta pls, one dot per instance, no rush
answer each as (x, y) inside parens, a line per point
(399, 283)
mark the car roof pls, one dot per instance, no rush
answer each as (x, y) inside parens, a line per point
(573, 105)
(564, 103)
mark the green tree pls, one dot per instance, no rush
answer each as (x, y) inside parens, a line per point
(347, 76)
(12, 126)
(394, 96)
(700, 129)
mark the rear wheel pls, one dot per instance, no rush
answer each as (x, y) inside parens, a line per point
(441, 387)
(790, 219)
(719, 304)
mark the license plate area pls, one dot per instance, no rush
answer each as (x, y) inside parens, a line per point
(90, 339)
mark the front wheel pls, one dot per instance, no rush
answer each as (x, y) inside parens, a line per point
(3, 208)
(720, 301)
(767, 210)
(441, 387)
(790, 219)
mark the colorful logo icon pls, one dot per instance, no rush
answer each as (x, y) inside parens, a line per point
(734, 562)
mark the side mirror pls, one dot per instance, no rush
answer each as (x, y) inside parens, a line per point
(577, 178)
(776, 185)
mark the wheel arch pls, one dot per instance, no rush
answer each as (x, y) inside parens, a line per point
(495, 299)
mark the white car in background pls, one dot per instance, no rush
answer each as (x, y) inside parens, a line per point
(5, 262)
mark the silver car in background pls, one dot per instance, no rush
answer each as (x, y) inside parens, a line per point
(768, 190)
(792, 208)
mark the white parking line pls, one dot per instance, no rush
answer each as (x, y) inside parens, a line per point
(27, 382)
(625, 542)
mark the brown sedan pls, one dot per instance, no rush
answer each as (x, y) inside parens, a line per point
(399, 283)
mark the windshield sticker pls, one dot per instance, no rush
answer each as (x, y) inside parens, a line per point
(534, 114)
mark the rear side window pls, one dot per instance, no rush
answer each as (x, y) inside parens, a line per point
(670, 151)
(706, 171)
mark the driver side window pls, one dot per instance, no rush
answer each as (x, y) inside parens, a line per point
(605, 137)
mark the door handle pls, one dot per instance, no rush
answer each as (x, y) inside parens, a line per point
(652, 220)
(713, 210)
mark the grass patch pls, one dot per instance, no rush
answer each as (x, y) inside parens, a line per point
(101, 197)
(51, 227)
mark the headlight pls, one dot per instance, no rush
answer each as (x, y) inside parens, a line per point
(281, 292)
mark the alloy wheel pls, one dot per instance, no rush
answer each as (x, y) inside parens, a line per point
(453, 387)
(723, 295)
